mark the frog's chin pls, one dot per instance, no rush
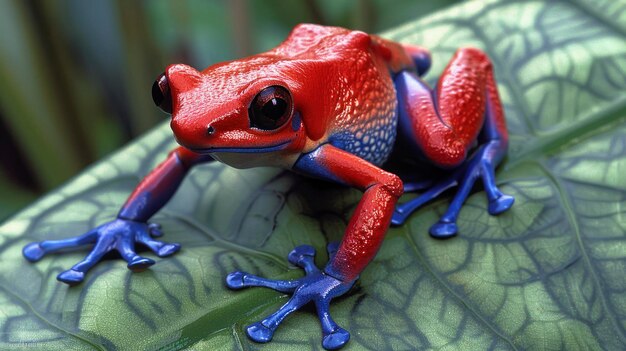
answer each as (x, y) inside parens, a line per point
(251, 156)
(267, 159)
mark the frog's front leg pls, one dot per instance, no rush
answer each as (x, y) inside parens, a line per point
(445, 124)
(130, 226)
(362, 239)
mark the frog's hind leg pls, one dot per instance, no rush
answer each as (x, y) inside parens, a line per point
(444, 125)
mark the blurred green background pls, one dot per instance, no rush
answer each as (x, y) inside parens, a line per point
(75, 76)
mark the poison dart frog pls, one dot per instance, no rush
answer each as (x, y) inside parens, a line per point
(329, 103)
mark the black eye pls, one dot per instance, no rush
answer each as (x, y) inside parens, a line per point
(271, 108)
(161, 93)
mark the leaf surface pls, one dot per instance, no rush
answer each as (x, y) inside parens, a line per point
(548, 274)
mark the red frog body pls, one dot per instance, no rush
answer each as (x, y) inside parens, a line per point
(329, 103)
(340, 84)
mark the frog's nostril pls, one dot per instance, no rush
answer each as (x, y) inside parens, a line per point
(210, 130)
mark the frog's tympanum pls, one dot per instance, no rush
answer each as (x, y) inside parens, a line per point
(328, 103)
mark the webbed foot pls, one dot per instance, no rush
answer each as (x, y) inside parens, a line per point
(480, 165)
(316, 286)
(120, 235)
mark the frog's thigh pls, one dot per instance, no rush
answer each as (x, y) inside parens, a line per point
(444, 124)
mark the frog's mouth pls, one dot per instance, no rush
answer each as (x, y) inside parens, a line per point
(243, 149)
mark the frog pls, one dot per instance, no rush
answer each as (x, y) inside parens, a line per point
(328, 103)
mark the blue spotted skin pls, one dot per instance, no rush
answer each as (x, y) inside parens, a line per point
(374, 144)
(372, 136)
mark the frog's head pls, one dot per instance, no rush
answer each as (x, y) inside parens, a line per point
(231, 109)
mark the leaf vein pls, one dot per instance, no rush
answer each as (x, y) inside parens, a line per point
(46, 321)
(569, 212)
(454, 294)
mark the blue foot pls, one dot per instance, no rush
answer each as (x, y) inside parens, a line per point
(140, 264)
(259, 333)
(235, 280)
(479, 166)
(33, 252)
(403, 211)
(71, 277)
(168, 250)
(316, 286)
(443, 230)
(336, 339)
(501, 204)
(120, 235)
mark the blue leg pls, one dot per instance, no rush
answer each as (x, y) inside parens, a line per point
(303, 256)
(130, 226)
(403, 211)
(76, 274)
(413, 186)
(263, 331)
(421, 110)
(239, 280)
(117, 235)
(334, 336)
(498, 202)
(35, 251)
(160, 248)
(479, 165)
(332, 248)
(136, 263)
(316, 286)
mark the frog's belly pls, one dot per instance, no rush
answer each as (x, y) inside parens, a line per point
(372, 141)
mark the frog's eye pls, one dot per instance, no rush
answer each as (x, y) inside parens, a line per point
(271, 108)
(161, 93)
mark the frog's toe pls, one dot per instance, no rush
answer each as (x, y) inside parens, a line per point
(239, 280)
(33, 252)
(404, 210)
(336, 339)
(160, 248)
(140, 264)
(304, 257)
(443, 229)
(301, 255)
(168, 250)
(259, 332)
(71, 277)
(235, 281)
(155, 230)
(332, 248)
(501, 204)
(398, 218)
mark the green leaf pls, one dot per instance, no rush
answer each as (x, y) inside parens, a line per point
(548, 274)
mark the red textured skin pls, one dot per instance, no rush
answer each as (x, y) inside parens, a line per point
(495, 105)
(340, 81)
(461, 95)
(158, 186)
(366, 229)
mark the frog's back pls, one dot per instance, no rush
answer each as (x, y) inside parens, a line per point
(362, 108)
